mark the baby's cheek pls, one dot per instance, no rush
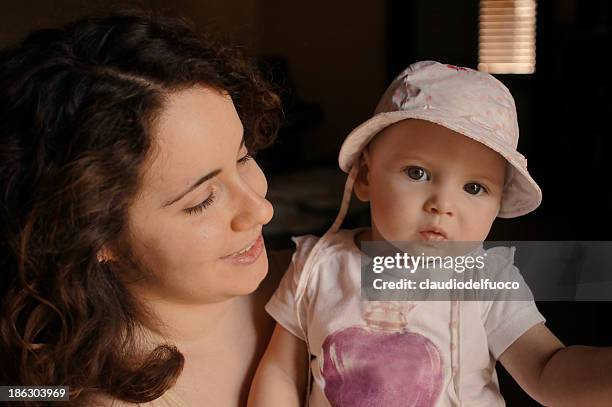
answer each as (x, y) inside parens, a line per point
(477, 228)
(393, 216)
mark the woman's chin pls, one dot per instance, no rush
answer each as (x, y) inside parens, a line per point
(248, 277)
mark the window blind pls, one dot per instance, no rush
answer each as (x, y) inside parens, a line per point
(507, 30)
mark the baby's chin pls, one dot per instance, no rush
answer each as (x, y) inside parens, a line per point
(417, 243)
(416, 238)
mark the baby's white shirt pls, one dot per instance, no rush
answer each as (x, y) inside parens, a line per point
(331, 313)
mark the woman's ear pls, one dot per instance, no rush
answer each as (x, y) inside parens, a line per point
(362, 185)
(105, 255)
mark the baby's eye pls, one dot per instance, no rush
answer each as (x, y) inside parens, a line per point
(474, 188)
(417, 173)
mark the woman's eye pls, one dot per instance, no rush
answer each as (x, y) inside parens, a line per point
(211, 198)
(201, 206)
(474, 188)
(244, 159)
(417, 173)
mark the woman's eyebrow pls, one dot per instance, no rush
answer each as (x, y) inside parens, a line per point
(199, 182)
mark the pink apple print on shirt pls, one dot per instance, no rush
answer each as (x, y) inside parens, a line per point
(381, 364)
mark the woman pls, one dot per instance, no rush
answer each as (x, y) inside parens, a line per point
(132, 258)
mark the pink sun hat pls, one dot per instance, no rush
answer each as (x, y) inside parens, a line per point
(464, 100)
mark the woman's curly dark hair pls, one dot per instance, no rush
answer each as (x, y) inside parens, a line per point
(76, 110)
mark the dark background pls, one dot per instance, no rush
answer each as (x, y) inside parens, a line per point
(334, 59)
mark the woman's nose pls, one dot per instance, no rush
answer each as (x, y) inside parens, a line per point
(253, 210)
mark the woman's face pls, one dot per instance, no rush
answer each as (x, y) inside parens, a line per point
(196, 223)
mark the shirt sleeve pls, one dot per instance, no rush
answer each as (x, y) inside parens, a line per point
(508, 315)
(282, 305)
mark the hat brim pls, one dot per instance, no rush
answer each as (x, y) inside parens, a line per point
(521, 193)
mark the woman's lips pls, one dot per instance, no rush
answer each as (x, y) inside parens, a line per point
(433, 235)
(249, 254)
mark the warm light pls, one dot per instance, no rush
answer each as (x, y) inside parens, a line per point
(506, 39)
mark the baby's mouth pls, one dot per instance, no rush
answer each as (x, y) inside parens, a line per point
(433, 235)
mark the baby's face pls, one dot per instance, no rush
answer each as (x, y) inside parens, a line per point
(428, 183)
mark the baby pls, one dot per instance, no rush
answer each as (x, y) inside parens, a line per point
(438, 163)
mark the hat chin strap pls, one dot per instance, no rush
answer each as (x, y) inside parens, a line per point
(346, 199)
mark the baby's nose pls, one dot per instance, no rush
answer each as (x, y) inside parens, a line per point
(439, 205)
